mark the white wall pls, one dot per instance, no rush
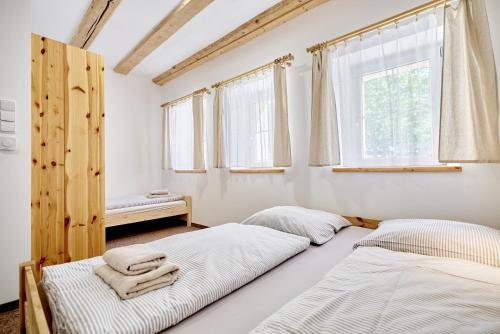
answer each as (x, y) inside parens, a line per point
(133, 115)
(220, 197)
(15, 167)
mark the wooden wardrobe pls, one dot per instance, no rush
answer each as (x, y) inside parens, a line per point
(67, 143)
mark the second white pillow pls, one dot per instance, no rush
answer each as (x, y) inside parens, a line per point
(318, 226)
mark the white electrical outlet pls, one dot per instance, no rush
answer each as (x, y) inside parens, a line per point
(9, 116)
(8, 105)
(7, 126)
(8, 143)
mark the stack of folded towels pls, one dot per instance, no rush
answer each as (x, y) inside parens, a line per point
(134, 270)
(158, 193)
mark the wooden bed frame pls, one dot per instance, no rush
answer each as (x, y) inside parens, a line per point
(184, 213)
(35, 317)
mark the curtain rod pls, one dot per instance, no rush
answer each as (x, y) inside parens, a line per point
(393, 19)
(196, 92)
(285, 60)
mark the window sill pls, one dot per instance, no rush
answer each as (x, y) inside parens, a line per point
(190, 171)
(408, 169)
(257, 170)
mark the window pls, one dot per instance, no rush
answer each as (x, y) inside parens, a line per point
(181, 130)
(388, 86)
(249, 113)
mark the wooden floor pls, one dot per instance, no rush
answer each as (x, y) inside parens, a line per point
(116, 237)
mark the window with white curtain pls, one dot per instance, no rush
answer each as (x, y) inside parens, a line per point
(249, 116)
(387, 86)
(181, 129)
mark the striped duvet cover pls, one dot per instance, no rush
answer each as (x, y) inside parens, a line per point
(379, 291)
(214, 262)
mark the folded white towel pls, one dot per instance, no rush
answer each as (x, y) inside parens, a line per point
(132, 286)
(134, 259)
(160, 192)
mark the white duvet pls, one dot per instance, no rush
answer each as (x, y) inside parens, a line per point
(213, 262)
(379, 291)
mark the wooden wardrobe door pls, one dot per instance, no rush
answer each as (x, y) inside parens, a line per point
(67, 153)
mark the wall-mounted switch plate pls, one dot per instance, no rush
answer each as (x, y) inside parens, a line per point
(9, 116)
(7, 105)
(8, 143)
(7, 126)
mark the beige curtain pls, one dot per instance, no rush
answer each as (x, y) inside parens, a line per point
(198, 131)
(324, 149)
(469, 108)
(219, 147)
(282, 151)
(167, 161)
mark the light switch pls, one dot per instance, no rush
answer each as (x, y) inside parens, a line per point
(7, 126)
(8, 143)
(7, 105)
(9, 116)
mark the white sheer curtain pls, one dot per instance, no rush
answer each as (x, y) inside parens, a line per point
(181, 134)
(387, 86)
(248, 112)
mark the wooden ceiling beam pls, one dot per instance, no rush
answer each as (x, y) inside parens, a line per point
(278, 14)
(94, 19)
(181, 15)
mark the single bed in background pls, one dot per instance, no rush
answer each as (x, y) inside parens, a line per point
(409, 276)
(139, 208)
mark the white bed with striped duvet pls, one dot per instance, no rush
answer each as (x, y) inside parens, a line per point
(379, 291)
(214, 262)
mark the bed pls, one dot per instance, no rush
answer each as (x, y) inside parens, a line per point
(311, 263)
(454, 288)
(139, 208)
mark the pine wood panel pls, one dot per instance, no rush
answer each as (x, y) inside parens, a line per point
(52, 120)
(77, 153)
(36, 143)
(95, 178)
(403, 169)
(67, 153)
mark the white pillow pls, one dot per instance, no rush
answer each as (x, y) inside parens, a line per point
(318, 226)
(442, 238)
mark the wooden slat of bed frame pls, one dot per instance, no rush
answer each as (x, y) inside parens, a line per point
(185, 213)
(363, 222)
(32, 318)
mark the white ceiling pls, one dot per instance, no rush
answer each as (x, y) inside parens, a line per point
(133, 19)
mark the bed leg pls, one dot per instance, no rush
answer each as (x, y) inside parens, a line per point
(22, 296)
(188, 217)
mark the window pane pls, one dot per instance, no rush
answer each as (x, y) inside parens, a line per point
(387, 87)
(397, 112)
(249, 112)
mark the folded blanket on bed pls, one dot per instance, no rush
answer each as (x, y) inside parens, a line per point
(158, 196)
(160, 192)
(132, 286)
(134, 259)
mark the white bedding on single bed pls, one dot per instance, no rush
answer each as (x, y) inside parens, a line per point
(138, 200)
(242, 310)
(146, 208)
(379, 291)
(214, 262)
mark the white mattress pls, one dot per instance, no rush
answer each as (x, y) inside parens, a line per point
(380, 291)
(145, 208)
(139, 200)
(245, 308)
(214, 262)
